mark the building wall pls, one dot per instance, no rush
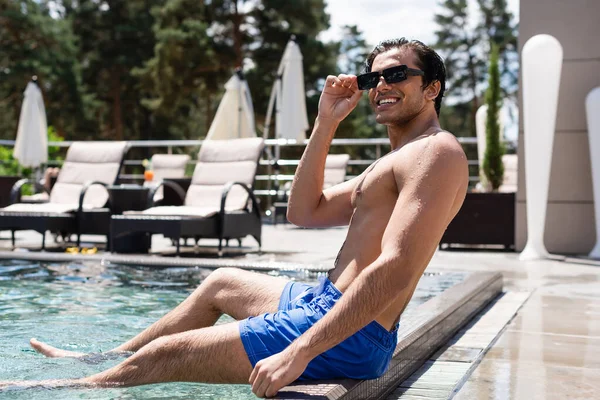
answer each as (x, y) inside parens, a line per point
(570, 226)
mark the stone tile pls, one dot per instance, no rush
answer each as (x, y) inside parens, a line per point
(503, 380)
(549, 349)
(561, 315)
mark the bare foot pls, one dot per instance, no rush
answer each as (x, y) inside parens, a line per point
(50, 351)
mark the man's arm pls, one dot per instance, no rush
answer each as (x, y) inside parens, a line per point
(421, 214)
(309, 205)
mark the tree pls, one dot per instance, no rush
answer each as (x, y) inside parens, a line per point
(112, 70)
(360, 123)
(199, 45)
(492, 160)
(497, 26)
(115, 37)
(458, 43)
(34, 43)
(273, 22)
(465, 44)
(187, 68)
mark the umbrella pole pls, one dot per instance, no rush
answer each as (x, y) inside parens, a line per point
(266, 136)
(37, 177)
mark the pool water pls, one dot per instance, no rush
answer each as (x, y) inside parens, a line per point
(94, 308)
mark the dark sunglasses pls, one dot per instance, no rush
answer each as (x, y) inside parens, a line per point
(391, 75)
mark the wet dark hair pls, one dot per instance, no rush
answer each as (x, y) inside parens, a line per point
(427, 60)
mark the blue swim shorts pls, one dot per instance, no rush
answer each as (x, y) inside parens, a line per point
(364, 355)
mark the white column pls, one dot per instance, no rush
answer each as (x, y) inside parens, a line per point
(480, 129)
(480, 120)
(592, 107)
(541, 63)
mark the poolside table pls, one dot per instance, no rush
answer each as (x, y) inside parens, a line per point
(129, 197)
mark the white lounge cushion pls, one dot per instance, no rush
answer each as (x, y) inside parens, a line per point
(169, 165)
(54, 208)
(87, 162)
(220, 162)
(178, 211)
(36, 198)
(166, 166)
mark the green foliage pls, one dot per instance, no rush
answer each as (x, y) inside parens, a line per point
(464, 45)
(34, 43)
(455, 118)
(496, 26)
(8, 165)
(54, 152)
(492, 161)
(185, 68)
(274, 22)
(155, 69)
(360, 123)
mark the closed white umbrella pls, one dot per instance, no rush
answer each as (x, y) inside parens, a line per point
(289, 97)
(235, 115)
(31, 146)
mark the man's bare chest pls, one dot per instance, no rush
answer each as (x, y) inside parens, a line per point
(377, 186)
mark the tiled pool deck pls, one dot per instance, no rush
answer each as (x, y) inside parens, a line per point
(551, 349)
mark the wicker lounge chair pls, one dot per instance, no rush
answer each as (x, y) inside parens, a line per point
(335, 172)
(78, 201)
(166, 166)
(218, 204)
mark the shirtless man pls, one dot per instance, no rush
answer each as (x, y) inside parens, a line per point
(397, 210)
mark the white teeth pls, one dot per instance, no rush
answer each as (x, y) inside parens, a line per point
(387, 101)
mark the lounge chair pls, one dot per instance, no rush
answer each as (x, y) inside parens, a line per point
(335, 172)
(166, 166)
(78, 201)
(219, 202)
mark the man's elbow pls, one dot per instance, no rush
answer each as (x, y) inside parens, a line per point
(299, 217)
(302, 213)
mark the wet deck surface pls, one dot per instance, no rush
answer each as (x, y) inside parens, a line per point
(549, 350)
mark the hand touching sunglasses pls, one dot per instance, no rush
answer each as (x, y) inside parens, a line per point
(395, 74)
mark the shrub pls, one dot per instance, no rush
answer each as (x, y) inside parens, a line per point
(493, 168)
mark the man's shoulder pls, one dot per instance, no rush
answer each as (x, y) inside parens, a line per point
(438, 153)
(441, 145)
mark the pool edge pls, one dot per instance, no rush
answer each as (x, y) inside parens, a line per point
(431, 325)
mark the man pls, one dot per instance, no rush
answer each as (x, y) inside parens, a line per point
(397, 211)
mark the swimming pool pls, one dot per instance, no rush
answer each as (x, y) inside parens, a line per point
(93, 308)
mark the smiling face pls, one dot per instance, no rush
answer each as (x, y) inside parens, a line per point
(397, 103)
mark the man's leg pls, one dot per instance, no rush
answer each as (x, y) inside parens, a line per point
(211, 355)
(231, 291)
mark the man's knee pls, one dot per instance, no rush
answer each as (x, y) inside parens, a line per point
(222, 277)
(218, 282)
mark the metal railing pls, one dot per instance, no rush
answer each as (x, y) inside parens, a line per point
(269, 175)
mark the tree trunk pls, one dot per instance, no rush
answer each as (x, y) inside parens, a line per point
(236, 18)
(116, 101)
(209, 117)
(475, 101)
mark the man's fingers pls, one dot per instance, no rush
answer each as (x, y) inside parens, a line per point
(272, 390)
(253, 375)
(346, 81)
(333, 81)
(262, 388)
(356, 96)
